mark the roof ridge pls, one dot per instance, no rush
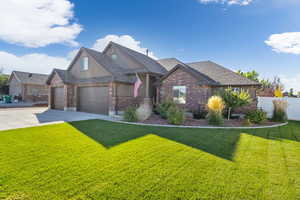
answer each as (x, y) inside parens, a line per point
(29, 73)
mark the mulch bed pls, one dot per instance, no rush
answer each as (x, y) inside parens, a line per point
(156, 119)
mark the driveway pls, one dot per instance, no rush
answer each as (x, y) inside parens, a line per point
(11, 118)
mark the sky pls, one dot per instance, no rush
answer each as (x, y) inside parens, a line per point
(261, 35)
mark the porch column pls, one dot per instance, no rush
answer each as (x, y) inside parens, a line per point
(50, 101)
(112, 99)
(147, 85)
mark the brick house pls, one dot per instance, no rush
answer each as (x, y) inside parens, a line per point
(103, 82)
(30, 87)
(191, 84)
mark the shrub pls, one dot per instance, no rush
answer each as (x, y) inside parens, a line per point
(257, 116)
(215, 107)
(130, 115)
(200, 114)
(215, 118)
(279, 111)
(163, 108)
(175, 115)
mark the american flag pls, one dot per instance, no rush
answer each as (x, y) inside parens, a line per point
(137, 85)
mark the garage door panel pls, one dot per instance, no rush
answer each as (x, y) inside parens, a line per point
(58, 98)
(93, 99)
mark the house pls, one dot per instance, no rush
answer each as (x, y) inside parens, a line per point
(191, 84)
(103, 82)
(29, 87)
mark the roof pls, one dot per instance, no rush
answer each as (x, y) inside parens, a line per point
(214, 73)
(30, 78)
(169, 63)
(221, 75)
(60, 72)
(149, 64)
(202, 78)
(105, 61)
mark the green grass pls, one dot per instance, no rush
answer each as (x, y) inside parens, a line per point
(103, 160)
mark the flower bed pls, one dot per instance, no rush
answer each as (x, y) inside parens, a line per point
(156, 119)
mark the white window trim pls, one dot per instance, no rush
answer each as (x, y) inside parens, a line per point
(84, 63)
(183, 89)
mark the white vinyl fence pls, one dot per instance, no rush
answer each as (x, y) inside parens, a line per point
(293, 110)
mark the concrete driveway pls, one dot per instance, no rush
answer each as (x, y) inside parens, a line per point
(12, 118)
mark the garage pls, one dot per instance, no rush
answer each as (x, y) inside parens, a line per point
(58, 98)
(93, 100)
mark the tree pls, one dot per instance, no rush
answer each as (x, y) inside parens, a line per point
(291, 93)
(3, 78)
(252, 75)
(235, 99)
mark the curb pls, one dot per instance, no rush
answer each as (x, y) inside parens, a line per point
(200, 127)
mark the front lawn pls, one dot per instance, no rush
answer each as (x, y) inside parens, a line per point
(104, 160)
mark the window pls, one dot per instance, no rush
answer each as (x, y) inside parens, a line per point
(85, 63)
(179, 94)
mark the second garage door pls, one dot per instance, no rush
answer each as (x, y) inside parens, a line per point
(93, 99)
(58, 98)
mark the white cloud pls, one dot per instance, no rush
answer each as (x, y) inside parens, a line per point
(291, 82)
(37, 63)
(229, 2)
(285, 42)
(43, 63)
(125, 40)
(37, 23)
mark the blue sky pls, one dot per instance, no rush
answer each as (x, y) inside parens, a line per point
(263, 35)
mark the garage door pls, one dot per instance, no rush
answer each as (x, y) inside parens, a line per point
(58, 98)
(93, 99)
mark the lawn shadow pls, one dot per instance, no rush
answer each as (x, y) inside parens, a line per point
(221, 143)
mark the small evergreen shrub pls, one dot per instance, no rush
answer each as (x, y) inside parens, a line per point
(130, 115)
(279, 111)
(257, 116)
(215, 107)
(163, 108)
(215, 118)
(175, 115)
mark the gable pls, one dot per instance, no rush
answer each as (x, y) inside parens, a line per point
(123, 60)
(95, 69)
(56, 80)
(180, 77)
(13, 79)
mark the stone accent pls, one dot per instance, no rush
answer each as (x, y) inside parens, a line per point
(195, 94)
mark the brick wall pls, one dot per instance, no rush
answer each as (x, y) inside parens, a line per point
(195, 95)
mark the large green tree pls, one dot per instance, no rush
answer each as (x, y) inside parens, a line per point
(254, 76)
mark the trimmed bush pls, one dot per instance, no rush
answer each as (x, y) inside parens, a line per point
(175, 115)
(130, 115)
(279, 111)
(215, 107)
(257, 116)
(215, 118)
(163, 108)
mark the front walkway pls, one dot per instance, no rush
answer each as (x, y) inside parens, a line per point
(11, 118)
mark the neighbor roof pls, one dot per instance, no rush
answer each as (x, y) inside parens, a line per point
(30, 78)
(221, 75)
(150, 65)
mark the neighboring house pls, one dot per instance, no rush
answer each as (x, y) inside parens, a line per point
(104, 82)
(29, 87)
